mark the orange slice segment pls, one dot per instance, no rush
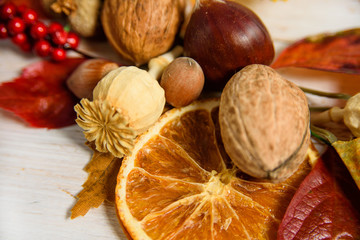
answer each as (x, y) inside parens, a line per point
(179, 184)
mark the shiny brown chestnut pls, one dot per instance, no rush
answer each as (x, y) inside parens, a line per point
(225, 36)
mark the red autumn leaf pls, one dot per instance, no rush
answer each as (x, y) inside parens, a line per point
(326, 205)
(39, 96)
(337, 52)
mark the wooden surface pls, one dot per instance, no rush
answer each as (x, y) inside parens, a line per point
(42, 170)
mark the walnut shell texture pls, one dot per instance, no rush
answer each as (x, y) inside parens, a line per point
(84, 20)
(141, 29)
(264, 122)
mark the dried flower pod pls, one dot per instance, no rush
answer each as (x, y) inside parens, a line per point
(264, 122)
(126, 102)
(85, 77)
(140, 30)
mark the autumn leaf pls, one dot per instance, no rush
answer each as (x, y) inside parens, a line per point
(39, 96)
(100, 185)
(326, 205)
(349, 151)
(338, 52)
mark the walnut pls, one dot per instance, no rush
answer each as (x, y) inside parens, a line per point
(82, 15)
(264, 122)
(142, 29)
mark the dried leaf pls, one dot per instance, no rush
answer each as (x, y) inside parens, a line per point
(326, 205)
(349, 151)
(337, 52)
(39, 96)
(100, 185)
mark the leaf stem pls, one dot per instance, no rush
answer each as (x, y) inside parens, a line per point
(326, 94)
(323, 134)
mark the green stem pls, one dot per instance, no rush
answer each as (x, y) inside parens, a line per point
(326, 94)
(319, 109)
(324, 135)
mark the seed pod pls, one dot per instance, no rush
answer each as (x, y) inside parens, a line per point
(126, 102)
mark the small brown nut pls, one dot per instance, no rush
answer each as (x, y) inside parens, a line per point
(85, 77)
(142, 29)
(264, 123)
(183, 81)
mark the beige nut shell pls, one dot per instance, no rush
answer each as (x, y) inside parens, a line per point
(264, 122)
(140, 30)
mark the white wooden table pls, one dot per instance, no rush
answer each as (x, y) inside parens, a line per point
(42, 170)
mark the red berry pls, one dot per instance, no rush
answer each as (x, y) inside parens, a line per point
(3, 31)
(16, 25)
(55, 27)
(42, 48)
(38, 30)
(58, 54)
(8, 10)
(59, 37)
(72, 40)
(26, 47)
(19, 39)
(21, 9)
(29, 16)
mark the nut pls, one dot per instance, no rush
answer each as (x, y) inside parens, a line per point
(143, 29)
(225, 36)
(183, 81)
(83, 15)
(264, 123)
(85, 77)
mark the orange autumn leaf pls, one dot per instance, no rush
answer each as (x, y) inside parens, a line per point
(338, 52)
(349, 151)
(101, 182)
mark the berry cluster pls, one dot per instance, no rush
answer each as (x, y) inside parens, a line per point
(23, 27)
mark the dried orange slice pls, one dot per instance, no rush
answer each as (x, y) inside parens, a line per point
(179, 184)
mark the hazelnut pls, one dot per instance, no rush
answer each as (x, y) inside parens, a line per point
(85, 77)
(183, 81)
(264, 123)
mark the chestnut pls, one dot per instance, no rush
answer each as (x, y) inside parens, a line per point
(225, 36)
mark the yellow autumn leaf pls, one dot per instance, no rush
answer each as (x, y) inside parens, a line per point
(101, 182)
(349, 151)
